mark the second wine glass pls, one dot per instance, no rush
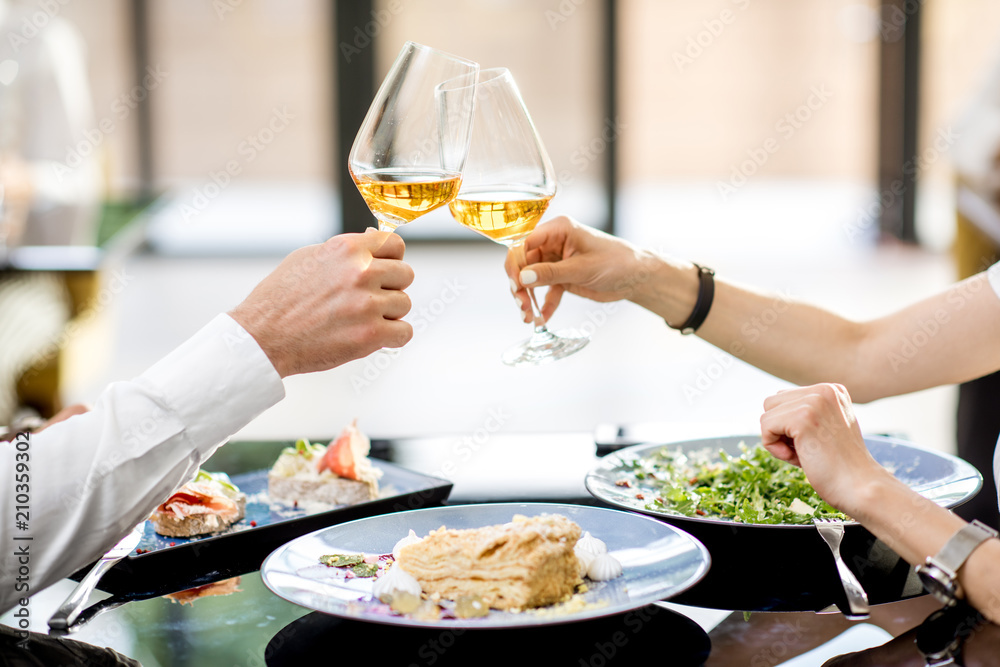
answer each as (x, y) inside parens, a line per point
(408, 155)
(507, 184)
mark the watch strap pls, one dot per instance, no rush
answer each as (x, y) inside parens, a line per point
(703, 304)
(961, 545)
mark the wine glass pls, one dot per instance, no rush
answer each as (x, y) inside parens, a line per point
(408, 155)
(506, 187)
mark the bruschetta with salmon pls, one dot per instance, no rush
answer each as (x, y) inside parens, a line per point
(209, 503)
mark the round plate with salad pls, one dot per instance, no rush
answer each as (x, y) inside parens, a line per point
(733, 479)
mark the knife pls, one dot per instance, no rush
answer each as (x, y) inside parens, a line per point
(71, 608)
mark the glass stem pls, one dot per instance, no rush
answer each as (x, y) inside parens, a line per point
(521, 259)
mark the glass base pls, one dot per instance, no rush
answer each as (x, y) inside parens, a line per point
(384, 226)
(545, 346)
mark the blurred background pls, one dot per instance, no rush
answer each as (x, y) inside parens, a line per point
(839, 151)
(159, 158)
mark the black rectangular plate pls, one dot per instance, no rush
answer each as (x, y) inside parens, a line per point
(172, 564)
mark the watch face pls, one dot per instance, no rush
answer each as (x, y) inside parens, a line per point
(937, 583)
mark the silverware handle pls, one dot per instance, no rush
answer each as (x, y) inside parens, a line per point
(856, 596)
(88, 614)
(70, 609)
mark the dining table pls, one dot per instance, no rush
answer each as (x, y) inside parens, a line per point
(141, 612)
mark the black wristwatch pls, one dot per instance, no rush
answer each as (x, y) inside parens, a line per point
(939, 574)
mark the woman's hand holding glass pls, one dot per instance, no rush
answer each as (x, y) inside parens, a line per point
(507, 184)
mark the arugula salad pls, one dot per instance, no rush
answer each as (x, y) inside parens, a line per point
(754, 487)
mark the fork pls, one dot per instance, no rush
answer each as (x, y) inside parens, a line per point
(832, 532)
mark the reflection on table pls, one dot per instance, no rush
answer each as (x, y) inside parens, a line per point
(251, 626)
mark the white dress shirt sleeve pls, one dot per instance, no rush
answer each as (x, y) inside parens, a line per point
(94, 476)
(993, 274)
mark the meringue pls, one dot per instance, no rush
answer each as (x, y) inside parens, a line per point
(585, 558)
(590, 544)
(604, 567)
(394, 581)
(409, 539)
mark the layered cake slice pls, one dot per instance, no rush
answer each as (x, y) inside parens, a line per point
(526, 563)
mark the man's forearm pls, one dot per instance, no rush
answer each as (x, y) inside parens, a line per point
(92, 477)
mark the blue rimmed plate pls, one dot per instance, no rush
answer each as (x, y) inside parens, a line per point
(784, 567)
(658, 562)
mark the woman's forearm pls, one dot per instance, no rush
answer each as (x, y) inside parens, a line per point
(916, 528)
(924, 345)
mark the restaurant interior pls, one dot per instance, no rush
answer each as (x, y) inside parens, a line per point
(842, 152)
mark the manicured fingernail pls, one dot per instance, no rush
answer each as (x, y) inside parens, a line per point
(520, 302)
(513, 286)
(528, 277)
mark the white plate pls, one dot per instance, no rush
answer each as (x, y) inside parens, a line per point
(658, 560)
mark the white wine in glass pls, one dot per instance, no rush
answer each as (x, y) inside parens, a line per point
(507, 184)
(408, 156)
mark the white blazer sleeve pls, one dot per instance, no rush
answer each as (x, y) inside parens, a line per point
(94, 476)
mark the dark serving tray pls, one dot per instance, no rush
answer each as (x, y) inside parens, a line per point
(171, 564)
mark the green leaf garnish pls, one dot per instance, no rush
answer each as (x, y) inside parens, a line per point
(365, 570)
(220, 477)
(341, 560)
(305, 448)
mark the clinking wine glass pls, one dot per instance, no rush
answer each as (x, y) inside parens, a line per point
(408, 155)
(507, 184)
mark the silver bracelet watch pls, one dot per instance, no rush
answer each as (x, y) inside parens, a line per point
(939, 574)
